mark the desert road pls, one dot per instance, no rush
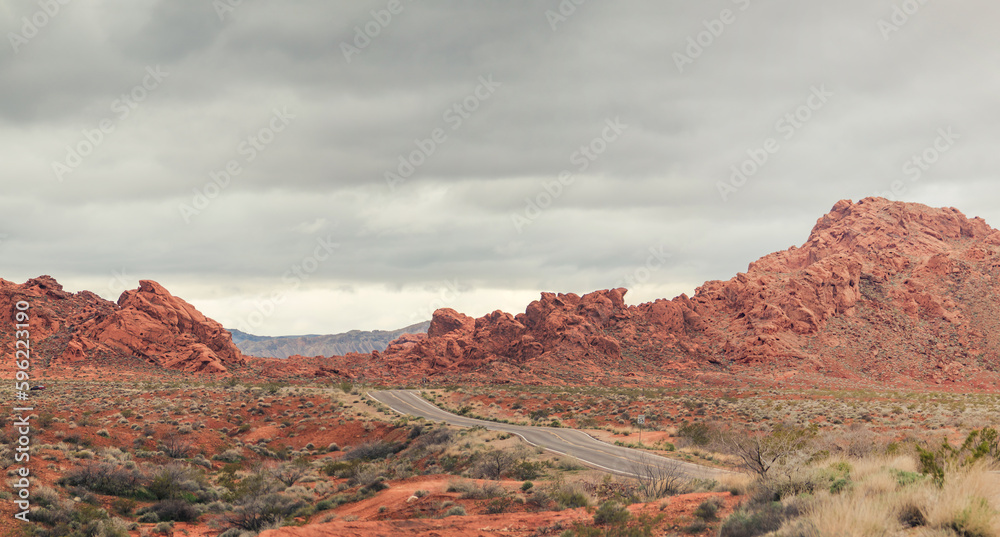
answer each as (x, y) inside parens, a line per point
(572, 442)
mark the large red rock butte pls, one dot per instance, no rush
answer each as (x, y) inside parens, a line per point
(884, 293)
(147, 325)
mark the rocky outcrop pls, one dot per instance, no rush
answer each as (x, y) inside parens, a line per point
(148, 323)
(565, 325)
(880, 290)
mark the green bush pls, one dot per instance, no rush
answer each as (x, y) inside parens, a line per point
(258, 512)
(499, 505)
(758, 520)
(699, 434)
(370, 451)
(570, 498)
(176, 510)
(611, 512)
(469, 490)
(698, 526)
(106, 478)
(979, 444)
(708, 509)
(526, 470)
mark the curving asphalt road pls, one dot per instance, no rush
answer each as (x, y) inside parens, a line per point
(590, 451)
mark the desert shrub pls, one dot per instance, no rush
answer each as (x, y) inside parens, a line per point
(708, 509)
(176, 447)
(457, 510)
(81, 520)
(229, 455)
(290, 472)
(499, 505)
(368, 475)
(236, 532)
(470, 490)
(122, 506)
(495, 464)
(341, 469)
(525, 470)
(760, 453)
(697, 433)
(540, 499)
(53, 515)
(341, 499)
(753, 521)
(177, 481)
(980, 444)
(526, 486)
(697, 526)
(611, 512)
(569, 496)
(461, 486)
(258, 512)
(371, 451)
(46, 419)
(106, 478)
(258, 482)
(173, 510)
(434, 437)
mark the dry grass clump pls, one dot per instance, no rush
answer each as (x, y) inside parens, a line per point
(878, 496)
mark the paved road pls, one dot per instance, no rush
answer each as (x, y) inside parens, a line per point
(590, 451)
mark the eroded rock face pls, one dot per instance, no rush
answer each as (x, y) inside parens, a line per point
(148, 323)
(156, 325)
(882, 290)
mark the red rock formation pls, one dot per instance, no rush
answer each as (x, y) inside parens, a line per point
(148, 323)
(883, 291)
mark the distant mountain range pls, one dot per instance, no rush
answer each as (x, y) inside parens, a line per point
(320, 345)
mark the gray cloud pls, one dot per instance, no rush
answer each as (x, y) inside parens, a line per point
(499, 154)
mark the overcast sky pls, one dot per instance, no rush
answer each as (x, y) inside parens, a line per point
(386, 158)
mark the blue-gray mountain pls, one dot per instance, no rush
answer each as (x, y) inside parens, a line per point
(321, 345)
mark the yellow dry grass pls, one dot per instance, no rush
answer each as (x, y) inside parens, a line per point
(878, 502)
